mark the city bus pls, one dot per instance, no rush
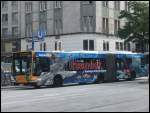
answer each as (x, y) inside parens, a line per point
(41, 68)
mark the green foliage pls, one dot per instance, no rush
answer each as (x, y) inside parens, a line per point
(137, 27)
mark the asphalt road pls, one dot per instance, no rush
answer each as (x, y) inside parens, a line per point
(125, 96)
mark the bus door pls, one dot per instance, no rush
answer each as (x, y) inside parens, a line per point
(111, 68)
(139, 67)
(122, 67)
(21, 69)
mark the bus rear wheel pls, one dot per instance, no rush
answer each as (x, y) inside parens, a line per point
(58, 81)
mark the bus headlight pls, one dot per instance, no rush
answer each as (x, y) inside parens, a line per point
(39, 80)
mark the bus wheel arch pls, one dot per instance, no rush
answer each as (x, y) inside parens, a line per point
(58, 80)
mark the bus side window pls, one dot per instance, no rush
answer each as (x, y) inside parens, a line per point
(119, 64)
(103, 63)
(43, 65)
(66, 66)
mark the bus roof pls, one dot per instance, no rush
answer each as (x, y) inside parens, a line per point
(86, 54)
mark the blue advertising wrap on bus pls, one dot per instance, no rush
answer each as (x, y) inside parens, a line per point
(60, 68)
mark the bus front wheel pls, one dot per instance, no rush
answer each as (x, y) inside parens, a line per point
(58, 81)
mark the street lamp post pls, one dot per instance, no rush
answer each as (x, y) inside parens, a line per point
(32, 43)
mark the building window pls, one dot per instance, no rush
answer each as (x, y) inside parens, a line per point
(117, 46)
(28, 23)
(117, 5)
(55, 46)
(58, 4)
(60, 46)
(85, 44)
(85, 21)
(15, 31)
(88, 23)
(58, 26)
(28, 7)
(105, 46)
(87, 2)
(116, 26)
(40, 46)
(91, 45)
(105, 24)
(28, 18)
(127, 46)
(43, 16)
(88, 45)
(14, 18)
(147, 47)
(4, 19)
(28, 30)
(4, 31)
(27, 47)
(43, 27)
(105, 3)
(14, 5)
(4, 4)
(43, 5)
(121, 46)
(44, 46)
(127, 6)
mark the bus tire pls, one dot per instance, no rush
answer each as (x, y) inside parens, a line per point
(58, 81)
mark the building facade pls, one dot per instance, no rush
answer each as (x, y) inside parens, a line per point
(67, 25)
(10, 27)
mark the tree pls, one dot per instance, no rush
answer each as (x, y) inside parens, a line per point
(136, 28)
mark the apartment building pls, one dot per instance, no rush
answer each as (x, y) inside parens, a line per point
(10, 27)
(68, 25)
